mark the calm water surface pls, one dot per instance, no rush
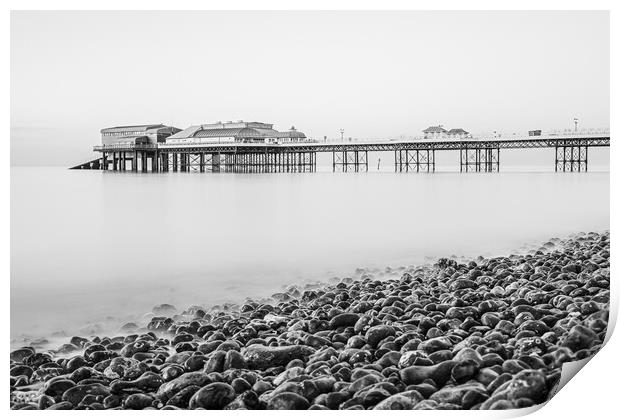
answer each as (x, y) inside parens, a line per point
(89, 247)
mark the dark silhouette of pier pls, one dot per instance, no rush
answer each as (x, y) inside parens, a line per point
(475, 155)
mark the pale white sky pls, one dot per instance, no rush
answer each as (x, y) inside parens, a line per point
(374, 74)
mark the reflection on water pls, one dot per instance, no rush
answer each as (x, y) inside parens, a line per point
(89, 245)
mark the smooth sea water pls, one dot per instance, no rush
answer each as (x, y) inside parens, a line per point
(91, 250)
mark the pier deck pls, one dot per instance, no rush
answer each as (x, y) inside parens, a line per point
(475, 155)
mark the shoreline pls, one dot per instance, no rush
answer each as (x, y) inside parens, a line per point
(102, 323)
(490, 333)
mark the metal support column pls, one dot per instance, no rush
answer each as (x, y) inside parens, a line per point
(215, 162)
(571, 157)
(164, 161)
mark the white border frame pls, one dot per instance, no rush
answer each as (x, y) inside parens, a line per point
(591, 395)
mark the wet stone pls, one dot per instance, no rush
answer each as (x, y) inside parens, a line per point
(75, 394)
(214, 396)
(343, 320)
(288, 401)
(138, 402)
(55, 388)
(435, 344)
(464, 370)
(579, 337)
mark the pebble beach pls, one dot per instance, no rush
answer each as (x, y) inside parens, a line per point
(479, 334)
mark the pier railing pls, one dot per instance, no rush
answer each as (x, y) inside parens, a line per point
(124, 146)
(474, 136)
(484, 137)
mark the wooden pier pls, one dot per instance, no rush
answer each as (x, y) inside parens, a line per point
(571, 155)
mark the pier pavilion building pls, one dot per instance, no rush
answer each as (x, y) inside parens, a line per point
(236, 132)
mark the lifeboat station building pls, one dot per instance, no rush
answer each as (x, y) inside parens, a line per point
(235, 132)
(132, 135)
(131, 147)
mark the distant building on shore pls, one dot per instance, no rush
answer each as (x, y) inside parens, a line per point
(132, 135)
(438, 132)
(457, 133)
(236, 132)
(435, 132)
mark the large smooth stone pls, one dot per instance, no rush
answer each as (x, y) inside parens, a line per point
(258, 356)
(168, 389)
(214, 396)
(401, 401)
